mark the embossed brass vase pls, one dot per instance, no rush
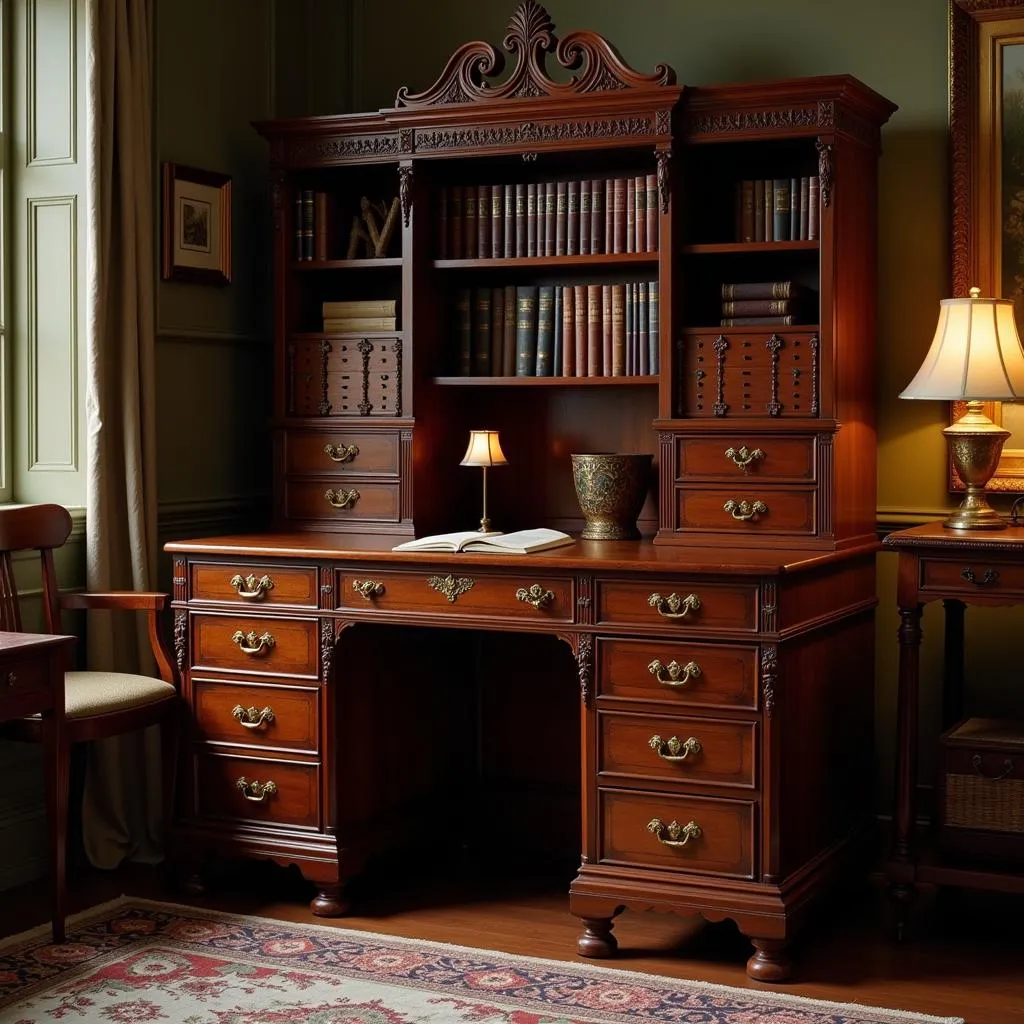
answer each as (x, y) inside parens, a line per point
(611, 489)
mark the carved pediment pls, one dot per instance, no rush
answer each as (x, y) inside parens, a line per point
(597, 66)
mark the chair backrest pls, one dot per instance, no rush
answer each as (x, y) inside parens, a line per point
(31, 527)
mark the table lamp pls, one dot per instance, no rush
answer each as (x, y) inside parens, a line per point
(484, 450)
(975, 357)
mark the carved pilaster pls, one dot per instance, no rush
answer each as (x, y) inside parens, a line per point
(585, 665)
(325, 352)
(815, 373)
(769, 676)
(326, 648)
(277, 190)
(721, 346)
(405, 192)
(180, 639)
(396, 351)
(773, 406)
(326, 587)
(769, 607)
(365, 349)
(180, 580)
(664, 157)
(584, 602)
(825, 170)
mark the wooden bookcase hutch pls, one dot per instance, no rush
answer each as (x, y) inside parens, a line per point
(745, 618)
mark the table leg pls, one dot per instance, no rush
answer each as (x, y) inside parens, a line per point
(56, 756)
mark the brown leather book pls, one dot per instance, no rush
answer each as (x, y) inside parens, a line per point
(497, 221)
(572, 220)
(758, 209)
(481, 331)
(618, 330)
(509, 232)
(508, 337)
(520, 249)
(609, 214)
(757, 307)
(497, 330)
(455, 230)
(584, 217)
(469, 239)
(323, 226)
(580, 322)
(761, 290)
(597, 216)
(746, 211)
(630, 215)
(550, 213)
(652, 212)
(483, 221)
(757, 321)
(561, 216)
(568, 331)
(531, 220)
(813, 206)
(595, 366)
(606, 330)
(640, 213)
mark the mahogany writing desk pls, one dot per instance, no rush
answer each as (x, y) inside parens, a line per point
(32, 682)
(725, 704)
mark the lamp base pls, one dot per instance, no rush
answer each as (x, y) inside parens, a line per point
(975, 444)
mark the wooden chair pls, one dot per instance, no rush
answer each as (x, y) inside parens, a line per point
(97, 704)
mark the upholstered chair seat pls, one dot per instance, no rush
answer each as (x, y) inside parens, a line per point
(99, 693)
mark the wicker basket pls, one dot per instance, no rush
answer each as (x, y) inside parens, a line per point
(981, 799)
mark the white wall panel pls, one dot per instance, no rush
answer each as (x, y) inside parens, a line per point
(51, 82)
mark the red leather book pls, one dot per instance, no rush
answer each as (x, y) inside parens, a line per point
(618, 330)
(572, 220)
(568, 331)
(652, 213)
(595, 365)
(509, 232)
(520, 221)
(531, 220)
(606, 330)
(323, 225)
(580, 322)
(584, 217)
(561, 216)
(609, 214)
(630, 215)
(813, 206)
(597, 216)
(550, 214)
(497, 221)
(640, 213)
(483, 221)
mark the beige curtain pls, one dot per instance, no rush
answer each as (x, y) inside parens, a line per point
(122, 794)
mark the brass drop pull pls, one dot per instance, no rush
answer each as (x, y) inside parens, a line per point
(678, 835)
(991, 576)
(674, 674)
(745, 510)
(250, 718)
(250, 588)
(255, 791)
(536, 595)
(674, 606)
(743, 457)
(368, 589)
(339, 453)
(11, 679)
(341, 499)
(250, 643)
(977, 763)
(670, 750)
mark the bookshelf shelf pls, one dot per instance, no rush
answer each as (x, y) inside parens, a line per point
(327, 335)
(562, 382)
(730, 248)
(603, 260)
(378, 264)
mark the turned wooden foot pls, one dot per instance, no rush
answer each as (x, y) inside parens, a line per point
(902, 895)
(194, 883)
(597, 939)
(329, 902)
(770, 961)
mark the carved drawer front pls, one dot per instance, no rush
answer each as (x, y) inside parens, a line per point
(746, 457)
(746, 507)
(271, 717)
(709, 675)
(677, 833)
(529, 598)
(268, 791)
(694, 750)
(252, 583)
(348, 501)
(341, 452)
(19, 678)
(973, 578)
(680, 604)
(255, 644)
(358, 376)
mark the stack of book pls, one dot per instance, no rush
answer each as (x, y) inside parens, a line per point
(356, 315)
(761, 303)
(582, 330)
(777, 209)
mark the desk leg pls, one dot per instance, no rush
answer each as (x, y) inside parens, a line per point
(56, 756)
(903, 893)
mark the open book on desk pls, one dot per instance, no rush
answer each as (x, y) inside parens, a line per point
(522, 542)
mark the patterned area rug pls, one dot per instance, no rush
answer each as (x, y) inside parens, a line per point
(138, 961)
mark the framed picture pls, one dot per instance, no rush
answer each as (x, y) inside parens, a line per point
(986, 126)
(196, 225)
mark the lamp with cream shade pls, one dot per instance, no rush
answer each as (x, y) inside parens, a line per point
(484, 450)
(976, 357)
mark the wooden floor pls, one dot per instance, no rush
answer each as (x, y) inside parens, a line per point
(964, 956)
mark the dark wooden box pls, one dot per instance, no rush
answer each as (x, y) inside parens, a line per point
(981, 790)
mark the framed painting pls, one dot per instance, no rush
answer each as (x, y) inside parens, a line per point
(196, 225)
(986, 124)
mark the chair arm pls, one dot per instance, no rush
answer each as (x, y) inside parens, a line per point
(123, 599)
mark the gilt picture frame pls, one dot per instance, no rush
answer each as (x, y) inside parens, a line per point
(986, 131)
(196, 228)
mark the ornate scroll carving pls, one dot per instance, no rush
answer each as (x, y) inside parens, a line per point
(815, 344)
(825, 171)
(720, 407)
(405, 192)
(585, 665)
(530, 132)
(325, 150)
(769, 676)
(180, 639)
(326, 648)
(769, 606)
(754, 120)
(324, 407)
(530, 38)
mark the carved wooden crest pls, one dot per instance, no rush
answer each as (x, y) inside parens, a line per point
(530, 38)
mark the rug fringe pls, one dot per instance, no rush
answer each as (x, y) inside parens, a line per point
(753, 994)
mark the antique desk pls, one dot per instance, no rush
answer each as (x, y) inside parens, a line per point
(32, 682)
(957, 567)
(719, 708)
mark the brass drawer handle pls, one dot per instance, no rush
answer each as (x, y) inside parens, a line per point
(255, 791)
(991, 576)
(341, 499)
(535, 595)
(976, 764)
(250, 718)
(678, 835)
(250, 588)
(674, 674)
(745, 510)
(670, 606)
(250, 643)
(337, 453)
(689, 746)
(368, 589)
(11, 679)
(742, 457)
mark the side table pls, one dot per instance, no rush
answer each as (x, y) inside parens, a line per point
(32, 682)
(958, 567)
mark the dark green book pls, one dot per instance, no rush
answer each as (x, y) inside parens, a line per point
(482, 332)
(545, 329)
(652, 325)
(780, 207)
(526, 330)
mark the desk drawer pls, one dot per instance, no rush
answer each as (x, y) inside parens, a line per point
(636, 828)
(242, 583)
(258, 789)
(693, 750)
(683, 605)
(255, 644)
(341, 451)
(970, 577)
(529, 598)
(782, 458)
(350, 500)
(19, 677)
(709, 675)
(746, 507)
(273, 717)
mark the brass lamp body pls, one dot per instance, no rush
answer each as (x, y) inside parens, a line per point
(975, 444)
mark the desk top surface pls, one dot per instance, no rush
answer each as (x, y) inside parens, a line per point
(625, 555)
(18, 641)
(935, 537)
